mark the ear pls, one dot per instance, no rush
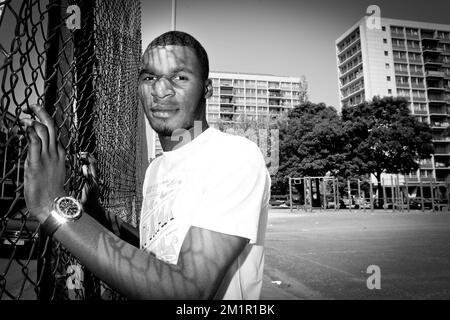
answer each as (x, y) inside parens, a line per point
(208, 88)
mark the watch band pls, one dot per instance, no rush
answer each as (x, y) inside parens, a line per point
(51, 224)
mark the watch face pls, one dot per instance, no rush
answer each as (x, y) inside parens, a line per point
(69, 208)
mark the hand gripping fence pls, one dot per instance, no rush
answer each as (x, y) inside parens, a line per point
(86, 77)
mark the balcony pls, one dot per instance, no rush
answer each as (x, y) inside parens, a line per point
(227, 84)
(226, 102)
(429, 36)
(441, 139)
(226, 111)
(401, 72)
(439, 125)
(398, 35)
(400, 59)
(416, 73)
(348, 71)
(442, 151)
(433, 73)
(226, 93)
(411, 36)
(435, 87)
(342, 62)
(414, 49)
(357, 77)
(436, 98)
(396, 46)
(438, 110)
(416, 61)
(422, 112)
(432, 49)
(434, 61)
(417, 86)
(402, 85)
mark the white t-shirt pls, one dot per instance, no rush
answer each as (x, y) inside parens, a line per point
(217, 182)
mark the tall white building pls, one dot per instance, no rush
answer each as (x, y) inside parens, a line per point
(401, 58)
(253, 96)
(238, 95)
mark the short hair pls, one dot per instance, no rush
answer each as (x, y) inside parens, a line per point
(179, 38)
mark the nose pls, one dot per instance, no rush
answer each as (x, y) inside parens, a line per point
(162, 88)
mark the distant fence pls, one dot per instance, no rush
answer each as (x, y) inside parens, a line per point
(308, 193)
(86, 78)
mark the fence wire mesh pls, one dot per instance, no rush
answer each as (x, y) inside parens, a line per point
(86, 78)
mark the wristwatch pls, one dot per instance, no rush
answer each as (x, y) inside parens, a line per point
(65, 209)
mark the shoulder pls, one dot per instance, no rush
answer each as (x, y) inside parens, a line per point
(154, 162)
(235, 150)
(234, 145)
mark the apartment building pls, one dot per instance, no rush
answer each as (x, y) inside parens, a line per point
(403, 58)
(251, 96)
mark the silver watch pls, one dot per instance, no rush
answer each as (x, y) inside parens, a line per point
(65, 209)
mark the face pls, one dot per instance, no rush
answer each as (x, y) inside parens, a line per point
(171, 88)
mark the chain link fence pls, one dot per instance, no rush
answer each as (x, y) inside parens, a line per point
(86, 78)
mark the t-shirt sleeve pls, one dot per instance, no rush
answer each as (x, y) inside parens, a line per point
(234, 194)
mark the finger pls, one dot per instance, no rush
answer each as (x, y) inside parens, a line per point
(34, 145)
(85, 171)
(45, 118)
(42, 132)
(93, 166)
(38, 129)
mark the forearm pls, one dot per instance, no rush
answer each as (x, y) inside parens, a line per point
(132, 272)
(122, 229)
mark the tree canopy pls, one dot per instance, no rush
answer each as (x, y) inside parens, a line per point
(371, 138)
(384, 137)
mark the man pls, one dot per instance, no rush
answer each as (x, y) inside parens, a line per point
(205, 204)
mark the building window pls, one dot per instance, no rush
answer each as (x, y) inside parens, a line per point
(386, 53)
(384, 40)
(413, 32)
(388, 78)
(383, 28)
(388, 66)
(389, 91)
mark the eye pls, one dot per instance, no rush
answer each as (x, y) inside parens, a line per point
(181, 78)
(147, 78)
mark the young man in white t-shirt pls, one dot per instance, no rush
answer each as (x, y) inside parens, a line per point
(205, 205)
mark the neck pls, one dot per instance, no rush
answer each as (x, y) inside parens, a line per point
(182, 137)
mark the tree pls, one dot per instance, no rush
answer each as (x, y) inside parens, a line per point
(382, 136)
(311, 144)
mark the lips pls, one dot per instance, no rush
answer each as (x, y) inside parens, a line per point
(163, 112)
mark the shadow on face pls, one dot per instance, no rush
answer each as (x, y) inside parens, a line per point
(171, 88)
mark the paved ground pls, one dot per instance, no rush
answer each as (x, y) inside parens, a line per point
(325, 255)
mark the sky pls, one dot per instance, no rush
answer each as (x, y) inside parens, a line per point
(279, 37)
